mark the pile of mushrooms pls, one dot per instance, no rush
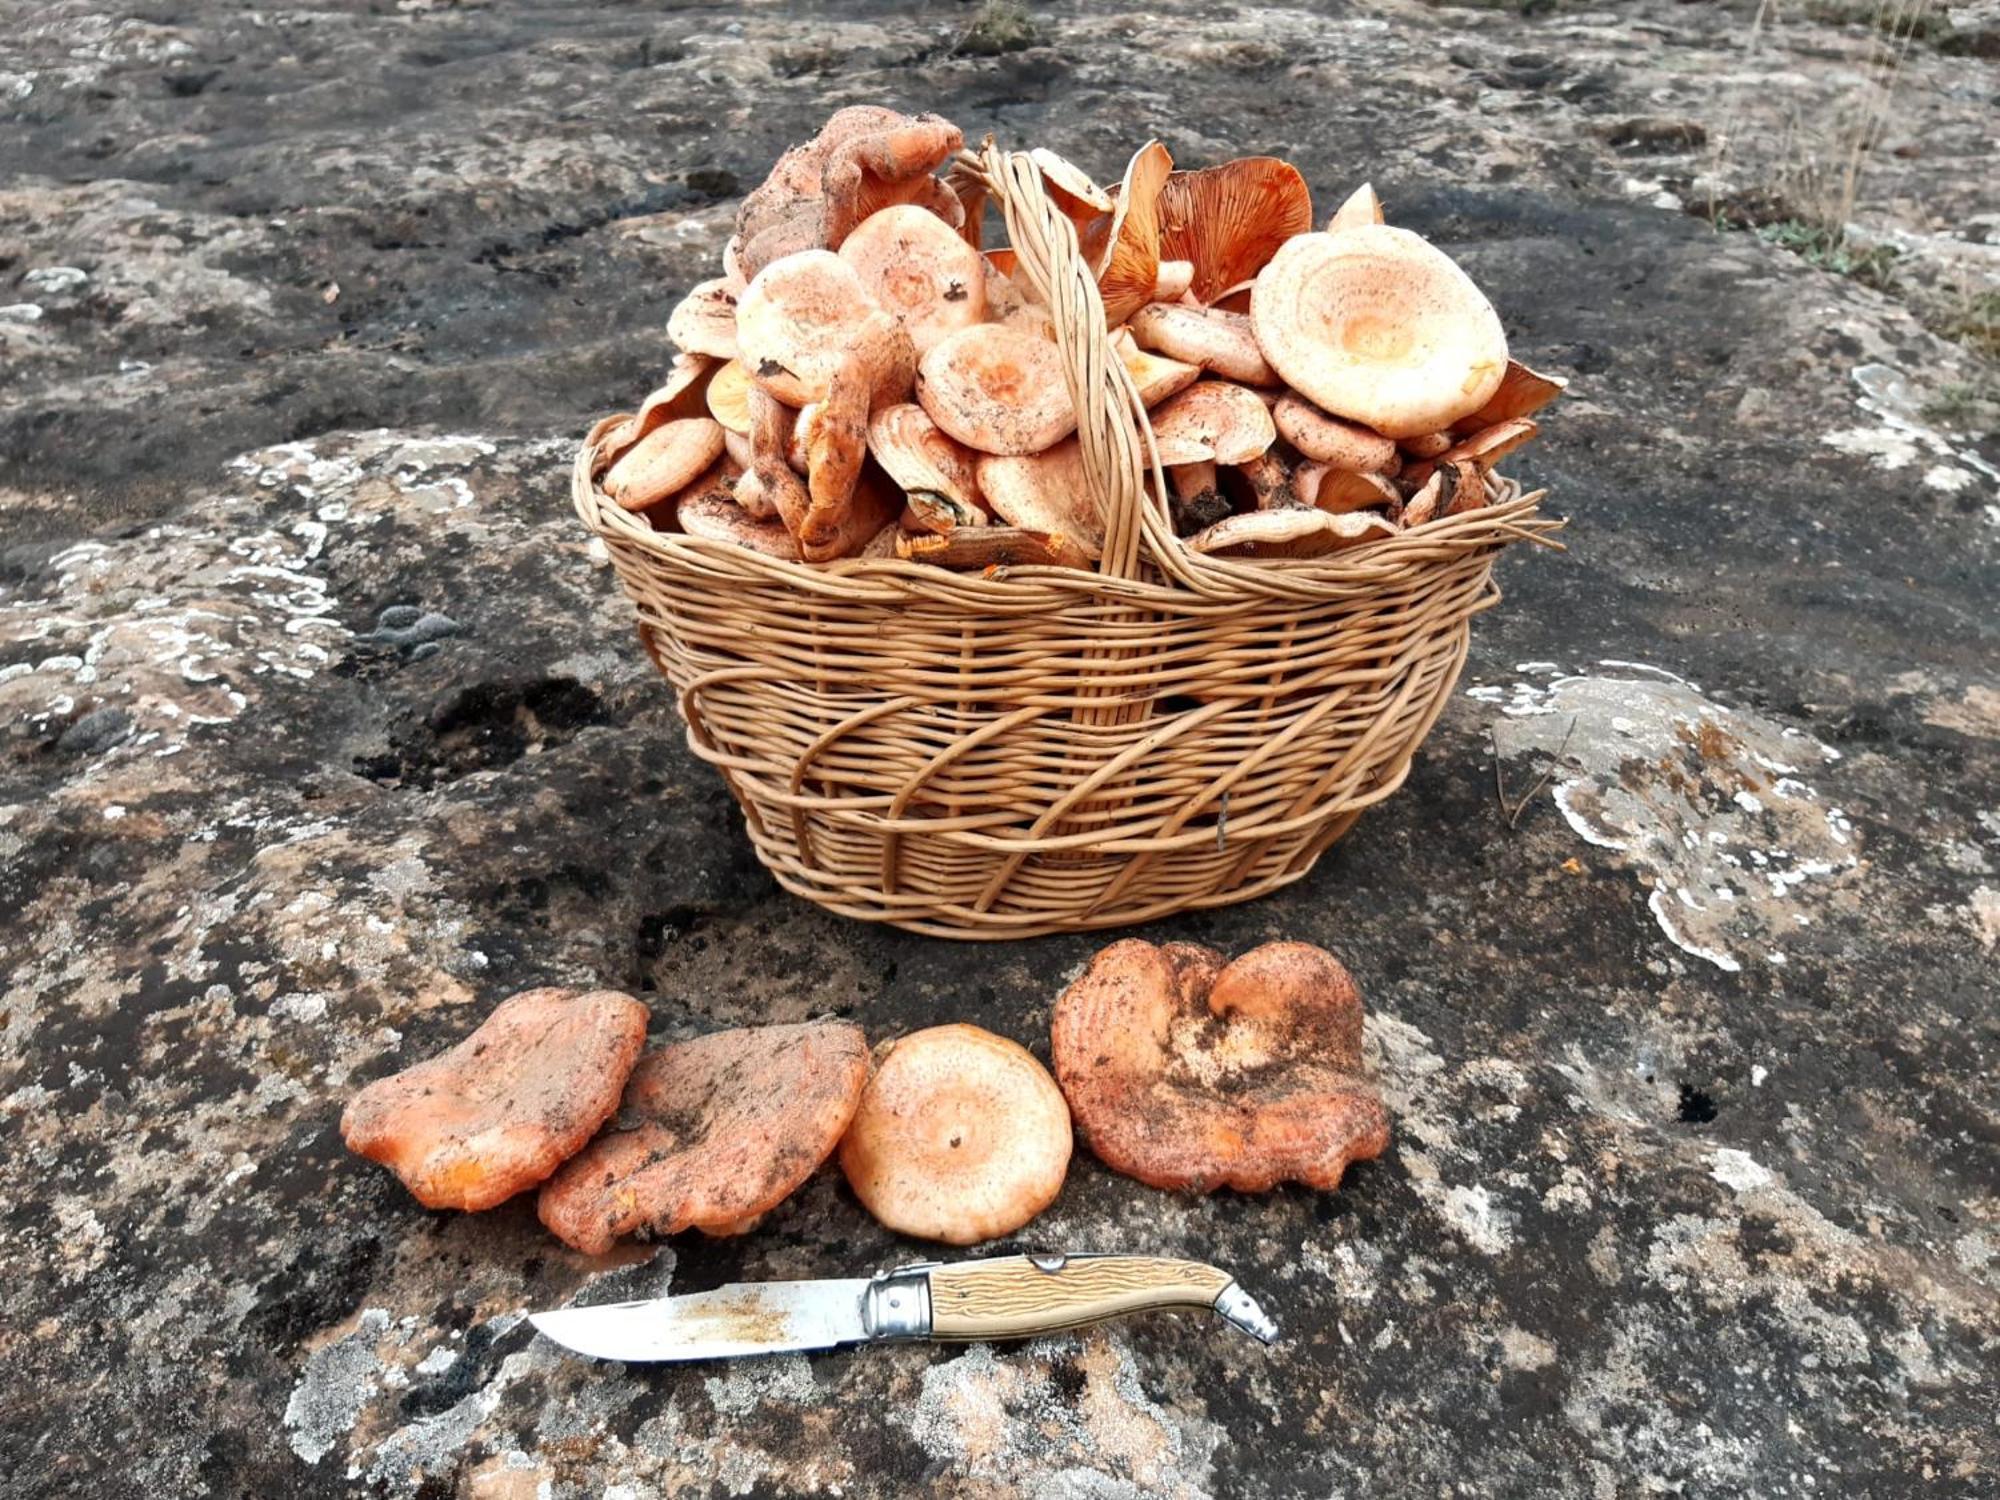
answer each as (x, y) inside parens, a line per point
(1178, 1067)
(867, 379)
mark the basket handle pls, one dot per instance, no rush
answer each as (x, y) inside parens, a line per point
(1114, 438)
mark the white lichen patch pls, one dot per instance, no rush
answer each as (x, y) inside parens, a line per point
(1898, 437)
(1710, 804)
(1010, 1422)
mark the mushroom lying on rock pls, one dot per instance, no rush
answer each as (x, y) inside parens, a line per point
(712, 1134)
(1188, 1072)
(961, 1136)
(508, 1105)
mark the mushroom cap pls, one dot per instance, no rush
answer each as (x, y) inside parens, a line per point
(1299, 533)
(928, 464)
(919, 271)
(681, 396)
(663, 462)
(729, 397)
(961, 1136)
(1129, 268)
(1342, 490)
(1360, 207)
(711, 1133)
(508, 1105)
(1189, 1073)
(998, 389)
(1426, 444)
(1379, 326)
(716, 517)
(872, 170)
(1216, 340)
(1079, 198)
(1213, 420)
(1229, 219)
(1155, 376)
(1172, 281)
(1489, 445)
(1046, 493)
(801, 318)
(704, 322)
(1329, 440)
(1522, 393)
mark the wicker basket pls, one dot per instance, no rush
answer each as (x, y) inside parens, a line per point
(1047, 749)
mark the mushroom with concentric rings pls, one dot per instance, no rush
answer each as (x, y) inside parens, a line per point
(961, 1137)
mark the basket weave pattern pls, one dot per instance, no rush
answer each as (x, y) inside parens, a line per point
(1050, 749)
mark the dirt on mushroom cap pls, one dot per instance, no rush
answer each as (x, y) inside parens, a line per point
(961, 1136)
(997, 389)
(1212, 420)
(500, 1111)
(1379, 326)
(711, 1133)
(1189, 1073)
(919, 271)
(802, 319)
(663, 462)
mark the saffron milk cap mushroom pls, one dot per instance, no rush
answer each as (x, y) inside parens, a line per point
(1212, 420)
(1129, 269)
(716, 517)
(1046, 493)
(1329, 440)
(664, 462)
(1379, 326)
(1216, 340)
(1361, 207)
(681, 395)
(1228, 220)
(805, 316)
(505, 1107)
(1489, 445)
(998, 389)
(1154, 375)
(1300, 532)
(1522, 393)
(919, 271)
(1190, 1073)
(711, 1134)
(961, 1137)
(932, 468)
(704, 322)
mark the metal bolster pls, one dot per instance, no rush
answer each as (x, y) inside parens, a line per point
(1240, 1309)
(897, 1304)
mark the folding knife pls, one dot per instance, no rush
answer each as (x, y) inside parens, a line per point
(1009, 1296)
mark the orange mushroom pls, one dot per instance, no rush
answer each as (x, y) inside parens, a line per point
(1425, 444)
(1153, 375)
(1329, 440)
(715, 517)
(1361, 207)
(1379, 326)
(508, 1105)
(729, 397)
(1215, 421)
(1216, 340)
(1489, 445)
(933, 470)
(997, 389)
(1272, 484)
(1173, 280)
(864, 159)
(1342, 490)
(1522, 393)
(983, 547)
(712, 1134)
(681, 396)
(1425, 500)
(1229, 220)
(1194, 1074)
(704, 322)
(1128, 270)
(806, 316)
(919, 271)
(1076, 197)
(1048, 494)
(961, 1137)
(664, 462)
(1296, 533)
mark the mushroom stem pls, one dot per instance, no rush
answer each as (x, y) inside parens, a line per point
(1198, 501)
(1270, 483)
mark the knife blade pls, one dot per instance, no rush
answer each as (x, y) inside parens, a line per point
(1009, 1296)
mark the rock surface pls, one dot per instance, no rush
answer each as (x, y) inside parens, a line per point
(323, 730)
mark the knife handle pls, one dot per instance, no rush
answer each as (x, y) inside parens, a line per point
(1016, 1296)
